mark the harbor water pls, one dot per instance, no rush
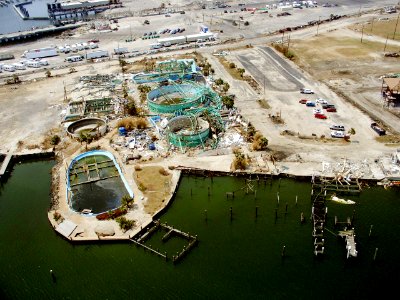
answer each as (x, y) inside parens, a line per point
(11, 21)
(238, 257)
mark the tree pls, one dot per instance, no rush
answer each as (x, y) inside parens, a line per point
(126, 201)
(225, 87)
(48, 73)
(232, 65)
(228, 101)
(219, 81)
(85, 137)
(260, 142)
(241, 71)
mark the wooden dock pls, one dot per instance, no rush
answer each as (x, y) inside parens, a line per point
(318, 216)
(349, 236)
(170, 231)
(5, 164)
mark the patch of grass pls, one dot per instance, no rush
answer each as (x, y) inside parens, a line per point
(389, 139)
(154, 182)
(381, 28)
(236, 73)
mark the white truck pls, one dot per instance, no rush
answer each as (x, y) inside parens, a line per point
(33, 64)
(119, 51)
(201, 36)
(74, 58)
(19, 66)
(168, 41)
(40, 53)
(96, 54)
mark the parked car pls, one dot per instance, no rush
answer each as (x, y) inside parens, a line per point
(337, 134)
(331, 109)
(317, 111)
(306, 91)
(326, 106)
(337, 127)
(310, 103)
(321, 101)
(320, 116)
(303, 101)
(378, 129)
(145, 34)
(93, 41)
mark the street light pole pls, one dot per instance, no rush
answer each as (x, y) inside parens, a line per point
(319, 20)
(395, 28)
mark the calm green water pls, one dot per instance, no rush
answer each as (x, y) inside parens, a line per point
(234, 259)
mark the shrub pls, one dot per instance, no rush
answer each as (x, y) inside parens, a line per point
(247, 23)
(56, 216)
(131, 108)
(240, 161)
(260, 142)
(232, 65)
(125, 224)
(55, 139)
(138, 168)
(163, 172)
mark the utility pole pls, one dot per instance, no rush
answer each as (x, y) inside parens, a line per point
(395, 28)
(288, 45)
(384, 49)
(372, 24)
(319, 20)
(362, 33)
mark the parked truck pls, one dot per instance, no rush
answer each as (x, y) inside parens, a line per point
(96, 54)
(40, 53)
(119, 51)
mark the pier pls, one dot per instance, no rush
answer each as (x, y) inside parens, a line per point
(170, 231)
(318, 215)
(349, 236)
(5, 164)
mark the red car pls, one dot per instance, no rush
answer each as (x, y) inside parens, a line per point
(93, 41)
(320, 116)
(303, 101)
(331, 109)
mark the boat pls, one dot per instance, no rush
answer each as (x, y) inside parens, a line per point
(349, 236)
(342, 201)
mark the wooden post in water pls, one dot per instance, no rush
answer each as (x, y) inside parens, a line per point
(208, 191)
(205, 215)
(231, 212)
(256, 212)
(276, 214)
(286, 207)
(255, 194)
(376, 252)
(302, 217)
(370, 230)
(283, 251)
(277, 197)
(296, 200)
(279, 185)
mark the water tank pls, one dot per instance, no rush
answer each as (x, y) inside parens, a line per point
(122, 131)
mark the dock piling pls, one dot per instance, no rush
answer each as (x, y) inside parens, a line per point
(256, 212)
(283, 251)
(231, 212)
(376, 252)
(296, 200)
(286, 207)
(370, 230)
(205, 215)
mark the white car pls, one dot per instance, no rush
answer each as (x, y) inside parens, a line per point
(337, 134)
(321, 101)
(317, 111)
(306, 91)
(337, 128)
